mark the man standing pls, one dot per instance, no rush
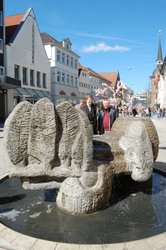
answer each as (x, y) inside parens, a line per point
(90, 110)
(106, 117)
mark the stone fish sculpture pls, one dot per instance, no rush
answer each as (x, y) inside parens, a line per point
(53, 148)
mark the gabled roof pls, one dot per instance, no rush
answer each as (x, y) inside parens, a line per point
(98, 75)
(11, 25)
(93, 73)
(48, 39)
(81, 67)
(113, 77)
(13, 20)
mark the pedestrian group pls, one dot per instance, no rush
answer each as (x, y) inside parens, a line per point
(101, 116)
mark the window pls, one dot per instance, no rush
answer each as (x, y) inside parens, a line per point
(38, 79)
(71, 62)
(31, 77)
(67, 59)
(17, 72)
(44, 80)
(63, 77)
(68, 79)
(72, 81)
(24, 75)
(75, 81)
(63, 57)
(58, 76)
(75, 63)
(58, 56)
(1, 45)
(1, 18)
(1, 71)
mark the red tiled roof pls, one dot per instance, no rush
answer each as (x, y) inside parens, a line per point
(111, 76)
(98, 75)
(11, 24)
(46, 38)
(13, 20)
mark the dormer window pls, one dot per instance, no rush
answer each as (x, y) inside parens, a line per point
(66, 44)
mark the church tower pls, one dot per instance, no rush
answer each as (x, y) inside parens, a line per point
(159, 60)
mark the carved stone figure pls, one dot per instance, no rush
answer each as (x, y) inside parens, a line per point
(53, 148)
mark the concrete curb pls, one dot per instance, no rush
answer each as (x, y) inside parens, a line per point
(9, 239)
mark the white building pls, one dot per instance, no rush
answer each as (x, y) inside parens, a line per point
(97, 81)
(26, 74)
(140, 98)
(64, 69)
(84, 88)
(26, 60)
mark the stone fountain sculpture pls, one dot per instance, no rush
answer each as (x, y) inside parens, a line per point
(53, 148)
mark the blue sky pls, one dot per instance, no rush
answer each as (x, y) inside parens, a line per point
(108, 35)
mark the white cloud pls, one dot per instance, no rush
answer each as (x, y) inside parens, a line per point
(103, 47)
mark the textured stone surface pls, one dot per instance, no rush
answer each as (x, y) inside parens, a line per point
(52, 148)
(75, 145)
(129, 147)
(124, 122)
(42, 135)
(76, 197)
(16, 132)
(138, 151)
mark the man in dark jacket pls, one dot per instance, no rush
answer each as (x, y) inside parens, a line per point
(106, 117)
(90, 110)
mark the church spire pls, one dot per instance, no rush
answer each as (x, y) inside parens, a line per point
(159, 60)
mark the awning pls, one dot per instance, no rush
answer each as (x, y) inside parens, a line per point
(23, 92)
(42, 93)
(33, 94)
(47, 94)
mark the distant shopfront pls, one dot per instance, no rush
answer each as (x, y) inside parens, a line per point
(31, 95)
(6, 84)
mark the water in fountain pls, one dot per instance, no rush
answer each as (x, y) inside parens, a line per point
(136, 211)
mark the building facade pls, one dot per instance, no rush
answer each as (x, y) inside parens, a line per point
(26, 67)
(26, 59)
(97, 81)
(6, 82)
(64, 69)
(84, 88)
(158, 81)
